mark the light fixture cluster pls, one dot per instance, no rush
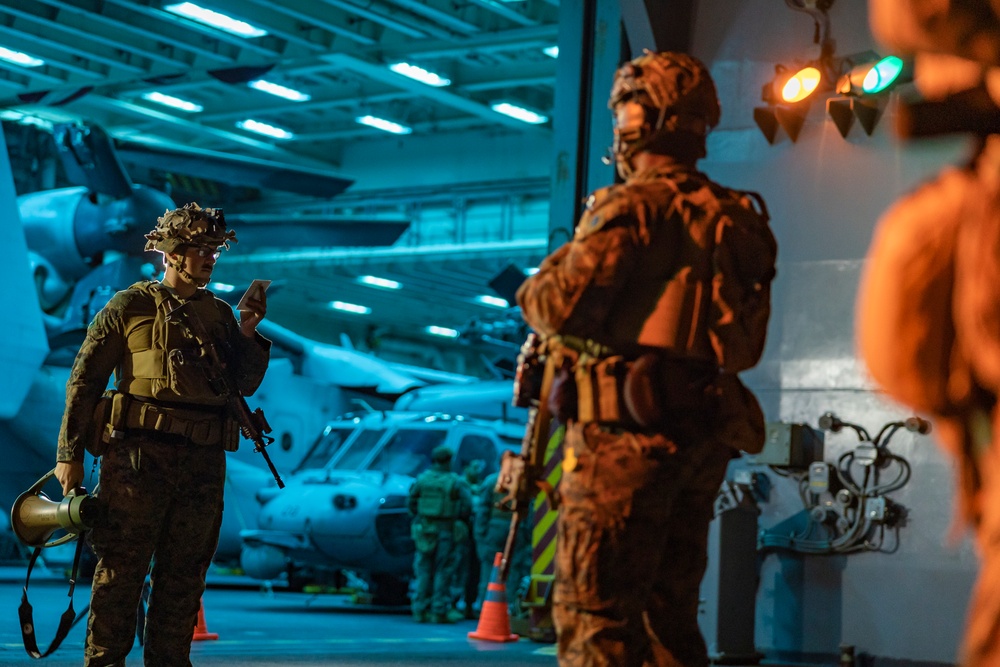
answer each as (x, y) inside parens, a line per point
(861, 83)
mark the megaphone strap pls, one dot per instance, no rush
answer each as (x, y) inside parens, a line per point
(68, 619)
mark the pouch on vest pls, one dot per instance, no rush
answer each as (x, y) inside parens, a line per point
(435, 501)
(96, 441)
(658, 388)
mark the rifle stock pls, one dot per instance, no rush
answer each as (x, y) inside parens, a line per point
(522, 475)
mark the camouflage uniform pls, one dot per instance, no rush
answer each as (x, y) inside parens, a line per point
(927, 309)
(163, 491)
(437, 527)
(636, 280)
(490, 527)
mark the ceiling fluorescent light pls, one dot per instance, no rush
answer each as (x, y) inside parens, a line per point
(350, 308)
(384, 283)
(215, 19)
(279, 90)
(225, 288)
(171, 101)
(551, 51)
(382, 124)
(420, 74)
(520, 113)
(441, 331)
(494, 301)
(264, 128)
(18, 58)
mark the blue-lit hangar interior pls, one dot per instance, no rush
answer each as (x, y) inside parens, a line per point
(396, 168)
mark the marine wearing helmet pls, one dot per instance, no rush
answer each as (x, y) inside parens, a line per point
(662, 103)
(189, 226)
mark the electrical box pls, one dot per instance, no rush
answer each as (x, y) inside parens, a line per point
(790, 446)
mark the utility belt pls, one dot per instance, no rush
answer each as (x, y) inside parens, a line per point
(648, 392)
(198, 425)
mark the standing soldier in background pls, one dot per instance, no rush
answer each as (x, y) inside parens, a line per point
(441, 505)
(929, 303)
(167, 431)
(466, 582)
(649, 312)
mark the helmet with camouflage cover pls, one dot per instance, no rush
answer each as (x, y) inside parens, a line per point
(190, 225)
(672, 106)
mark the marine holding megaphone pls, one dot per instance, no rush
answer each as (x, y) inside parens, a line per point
(162, 434)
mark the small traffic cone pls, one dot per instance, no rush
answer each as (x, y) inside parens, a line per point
(494, 620)
(201, 630)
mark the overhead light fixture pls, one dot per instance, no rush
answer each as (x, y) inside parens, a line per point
(225, 288)
(279, 90)
(384, 283)
(872, 77)
(788, 97)
(215, 19)
(350, 308)
(266, 129)
(173, 102)
(864, 88)
(518, 112)
(441, 331)
(383, 124)
(494, 301)
(531, 271)
(18, 58)
(551, 51)
(420, 74)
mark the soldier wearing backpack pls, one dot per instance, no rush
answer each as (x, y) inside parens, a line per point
(441, 505)
(649, 312)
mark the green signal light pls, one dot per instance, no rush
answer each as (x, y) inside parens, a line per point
(882, 74)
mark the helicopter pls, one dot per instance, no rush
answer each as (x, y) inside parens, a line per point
(344, 507)
(72, 248)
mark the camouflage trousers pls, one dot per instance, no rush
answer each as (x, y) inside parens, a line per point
(981, 644)
(164, 502)
(632, 548)
(434, 571)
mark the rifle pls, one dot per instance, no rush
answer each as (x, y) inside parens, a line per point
(521, 475)
(253, 425)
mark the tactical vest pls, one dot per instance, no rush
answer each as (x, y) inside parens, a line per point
(437, 496)
(701, 287)
(164, 361)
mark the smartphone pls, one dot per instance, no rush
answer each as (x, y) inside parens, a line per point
(255, 291)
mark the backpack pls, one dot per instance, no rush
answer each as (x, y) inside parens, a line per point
(437, 496)
(743, 260)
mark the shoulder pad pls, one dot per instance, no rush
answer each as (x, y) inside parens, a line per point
(604, 206)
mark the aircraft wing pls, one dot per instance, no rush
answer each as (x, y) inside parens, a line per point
(318, 232)
(226, 168)
(25, 345)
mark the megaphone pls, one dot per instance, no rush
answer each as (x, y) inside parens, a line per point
(34, 517)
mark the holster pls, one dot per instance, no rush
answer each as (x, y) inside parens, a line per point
(98, 438)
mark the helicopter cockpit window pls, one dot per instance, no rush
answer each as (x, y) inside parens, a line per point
(408, 452)
(326, 446)
(475, 447)
(358, 450)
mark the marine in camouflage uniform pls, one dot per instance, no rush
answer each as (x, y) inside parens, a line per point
(441, 504)
(628, 299)
(163, 472)
(928, 302)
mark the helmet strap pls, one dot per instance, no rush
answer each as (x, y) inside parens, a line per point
(180, 266)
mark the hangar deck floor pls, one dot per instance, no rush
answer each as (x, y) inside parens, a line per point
(268, 629)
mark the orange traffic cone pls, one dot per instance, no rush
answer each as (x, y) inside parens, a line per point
(494, 621)
(201, 630)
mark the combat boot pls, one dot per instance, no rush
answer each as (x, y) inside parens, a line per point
(421, 616)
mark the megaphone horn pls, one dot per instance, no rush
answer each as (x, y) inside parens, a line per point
(34, 517)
